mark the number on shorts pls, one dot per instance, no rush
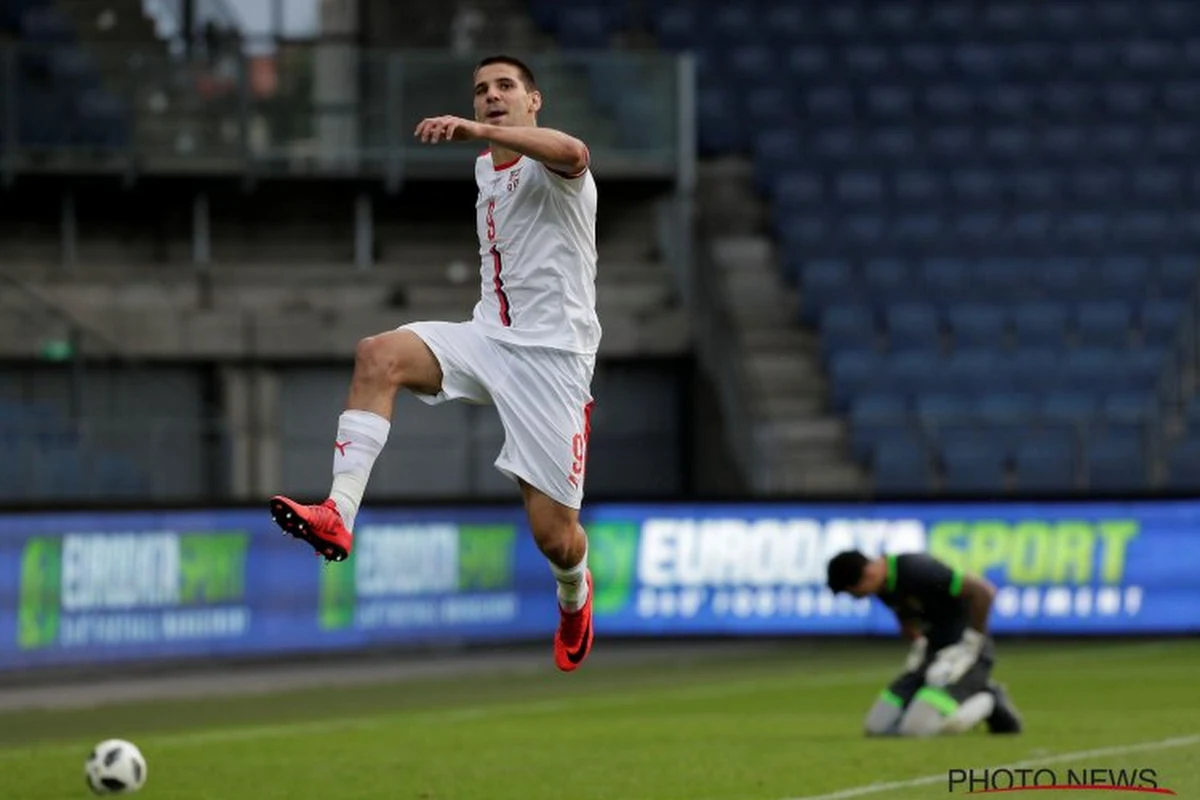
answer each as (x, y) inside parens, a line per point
(579, 446)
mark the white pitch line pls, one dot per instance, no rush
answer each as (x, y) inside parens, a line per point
(1100, 752)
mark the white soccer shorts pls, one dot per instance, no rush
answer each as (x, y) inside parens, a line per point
(543, 397)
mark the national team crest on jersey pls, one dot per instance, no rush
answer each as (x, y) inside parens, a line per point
(514, 180)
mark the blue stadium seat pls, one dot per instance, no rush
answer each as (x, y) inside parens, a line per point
(973, 467)
(797, 189)
(946, 279)
(830, 103)
(935, 410)
(849, 327)
(1025, 256)
(1035, 366)
(912, 372)
(732, 23)
(917, 230)
(804, 61)
(1116, 464)
(774, 152)
(1129, 407)
(921, 59)
(118, 477)
(1176, 275)
(1103, 324)
(1094, 186)
(1007, 409)
(1123, 277)
(1067, 407)
(886, 279)
(980, 369)
(1183, 466)
(977, 325)
(866, 60)
(676, 26)
(913, 326)
(853, 372)
(917, 187)
(1091, 369)
(859, 187)
(1159, 321)
(1040, 324)
(1046, 465)
(873, 416)
(1140, 369)
(768, 106)
(753, 62)
(900, 466)
(825, 283)
(785, 22)
(583, 27)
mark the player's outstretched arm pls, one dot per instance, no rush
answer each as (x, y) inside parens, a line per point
(559, 151)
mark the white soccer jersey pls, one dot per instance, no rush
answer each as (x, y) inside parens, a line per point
(537, 245)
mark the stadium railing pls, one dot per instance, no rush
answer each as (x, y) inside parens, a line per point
(312, 110)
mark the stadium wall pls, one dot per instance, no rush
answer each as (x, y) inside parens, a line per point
(96, 588)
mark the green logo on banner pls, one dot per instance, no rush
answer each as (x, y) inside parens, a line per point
(41, 579)
(485, 557)
(212, 568)
(612, 558)
(413, 561)
(98, 572)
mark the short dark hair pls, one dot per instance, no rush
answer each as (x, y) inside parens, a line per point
(845, 570)
(512, 61)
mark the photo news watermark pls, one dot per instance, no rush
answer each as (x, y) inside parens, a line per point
(1137, 780)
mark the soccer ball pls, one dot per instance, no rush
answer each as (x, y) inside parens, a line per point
(115, 767)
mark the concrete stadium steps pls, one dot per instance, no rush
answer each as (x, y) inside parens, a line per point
(803, 445)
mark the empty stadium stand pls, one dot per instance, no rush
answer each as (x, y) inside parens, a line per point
(989, 214)
(187, 233)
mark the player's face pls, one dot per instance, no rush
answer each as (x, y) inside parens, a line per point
(874, 575)
(501, 97)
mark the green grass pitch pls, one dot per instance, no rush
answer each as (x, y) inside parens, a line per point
(776, 723)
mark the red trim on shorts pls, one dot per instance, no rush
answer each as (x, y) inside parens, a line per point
(498, 282)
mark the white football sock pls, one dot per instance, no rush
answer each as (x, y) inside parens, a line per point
(361, 436)
(572, 584)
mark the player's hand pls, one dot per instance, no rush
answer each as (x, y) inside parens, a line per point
(432, 130)
(916, 654)
(953, 662)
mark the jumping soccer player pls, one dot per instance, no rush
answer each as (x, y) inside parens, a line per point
(529, 349)
(946, 685)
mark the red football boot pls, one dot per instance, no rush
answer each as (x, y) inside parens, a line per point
(320, 525)
(573, 639)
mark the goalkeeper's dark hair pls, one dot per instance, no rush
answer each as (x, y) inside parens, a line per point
(845, 570)
(522, 68)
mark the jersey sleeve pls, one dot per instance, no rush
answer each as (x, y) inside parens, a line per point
(923, 575)
(565, 182)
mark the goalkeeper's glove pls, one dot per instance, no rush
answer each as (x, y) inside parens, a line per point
(952, 662)
(916, 654)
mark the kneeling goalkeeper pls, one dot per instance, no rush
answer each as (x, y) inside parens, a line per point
(946, 686)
